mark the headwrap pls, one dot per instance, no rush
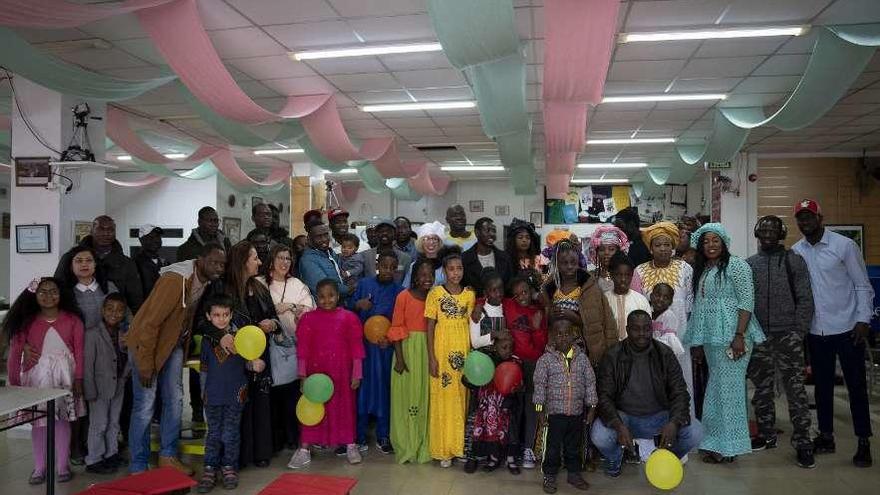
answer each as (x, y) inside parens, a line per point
(553, 239)
(659, 229)
(607, 234)
(555, 236)
(715, 228)
(433, 228)
(518, 225)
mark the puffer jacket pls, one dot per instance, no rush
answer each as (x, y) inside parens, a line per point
(668, 382)
(562, 389)
(783, 295)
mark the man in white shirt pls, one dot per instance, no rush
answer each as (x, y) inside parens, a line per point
(843, 300)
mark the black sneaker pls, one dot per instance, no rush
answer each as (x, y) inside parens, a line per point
(340, 451)
(824, 444)
(549, 483)
(760, 443)
(863, 454)
(577, 480)
(470, 466)
(631, 455)
(384, 446)
(611, 470)
(100, 467)
(805, 458)
(116, 460)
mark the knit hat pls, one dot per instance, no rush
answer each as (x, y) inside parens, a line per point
(715, 228)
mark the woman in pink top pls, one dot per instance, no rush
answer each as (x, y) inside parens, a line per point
(45, 318)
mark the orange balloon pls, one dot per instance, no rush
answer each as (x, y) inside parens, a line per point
(376, 328)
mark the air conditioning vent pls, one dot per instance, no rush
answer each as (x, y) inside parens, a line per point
(436, 147)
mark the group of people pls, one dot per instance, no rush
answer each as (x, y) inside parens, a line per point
(632, 339)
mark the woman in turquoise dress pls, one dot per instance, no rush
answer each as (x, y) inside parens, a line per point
(723, 332)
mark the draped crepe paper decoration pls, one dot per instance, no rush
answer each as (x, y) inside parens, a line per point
(480, 39)
(61, 14)
(579, 37)
(23, 59)
(839, 55)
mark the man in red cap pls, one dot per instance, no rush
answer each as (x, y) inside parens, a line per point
(338, 219)
(843, 300)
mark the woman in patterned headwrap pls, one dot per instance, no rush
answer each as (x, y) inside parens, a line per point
(605, 242)
(661, 239)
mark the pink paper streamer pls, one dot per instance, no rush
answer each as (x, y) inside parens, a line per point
(578, 42)
(119, 130)
(61, 14)
(5, 123)
(146, 181)
(178, 33)
(226, 164)
(427, 185)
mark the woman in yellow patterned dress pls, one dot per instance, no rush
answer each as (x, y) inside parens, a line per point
(447, 309)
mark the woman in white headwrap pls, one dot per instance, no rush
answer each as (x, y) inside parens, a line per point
(429, 243)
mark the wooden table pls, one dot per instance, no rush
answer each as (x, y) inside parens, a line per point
(13, 399)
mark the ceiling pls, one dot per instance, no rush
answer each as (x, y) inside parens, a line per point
(254, 37)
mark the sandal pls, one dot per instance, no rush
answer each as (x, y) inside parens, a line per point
(37, 479)
(513, 468)
(208, 480)
(716, 458)
(64, 477)
(230, 478)
(491, 464)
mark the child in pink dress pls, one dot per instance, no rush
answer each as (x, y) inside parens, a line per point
(330, 341)
(45, 319)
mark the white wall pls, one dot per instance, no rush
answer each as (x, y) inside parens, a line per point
(739, 207)
(243, 203)
(170, 203)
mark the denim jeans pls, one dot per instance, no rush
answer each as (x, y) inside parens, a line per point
(605, 439)
(170, 384)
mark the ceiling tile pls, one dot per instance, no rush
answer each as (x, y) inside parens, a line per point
(645, 70)
(783, 65)
(102, 59)
(363, 82)
(523, 23)
(475, 131)
(272, 67)
(367, 8)
(850, 12)
(863, 96)
(800, 44)
(352, 65)
(361, 124)
(645, 16)
(299, 86)
(274, 12)
(466, 120)
(416, 61)
(216, 14)
(143, 48)
(420, 132)
(314, 34)
(51, 35)
(443, 94)
(256, 89)
(431, 78)
(613, 88)
(453, 112)
(400, 28)
(743, 47)
(776, 11)
(244, 42)
(381, 97)
(656, 51)
(136, 72)
(408, 122)
(723, 84)
(720, 67)
(114, 28)
(752, 99)
(767, 84)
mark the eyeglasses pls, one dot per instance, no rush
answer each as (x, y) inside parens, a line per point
(48, 292)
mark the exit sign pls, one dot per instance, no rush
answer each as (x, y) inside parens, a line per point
(717, 165)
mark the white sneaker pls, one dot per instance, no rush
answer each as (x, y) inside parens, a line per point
(353, 454)
(301, 458)
(529, 460)
(446, 463)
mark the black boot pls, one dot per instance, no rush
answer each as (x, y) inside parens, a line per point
(863, 454)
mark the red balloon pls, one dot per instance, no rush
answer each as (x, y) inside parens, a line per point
(508, 376)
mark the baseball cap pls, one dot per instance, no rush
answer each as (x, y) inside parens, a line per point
(147, 229)
(809, 205)
(307, 216)
(336, 212)
(384, 221)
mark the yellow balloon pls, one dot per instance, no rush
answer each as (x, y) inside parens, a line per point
(250, 342)
(664, 469)
(309, 413)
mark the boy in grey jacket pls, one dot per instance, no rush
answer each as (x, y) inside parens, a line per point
(784, 308)
(105, 369)
(564, 385)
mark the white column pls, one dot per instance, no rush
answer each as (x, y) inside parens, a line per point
(739, 207)
(49, 124)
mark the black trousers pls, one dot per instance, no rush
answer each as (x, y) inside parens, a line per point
(195, 397)
(824, 351)
(256, 427)
(565, 435)
(285, 427)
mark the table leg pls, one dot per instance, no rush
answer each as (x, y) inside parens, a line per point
(50, 447)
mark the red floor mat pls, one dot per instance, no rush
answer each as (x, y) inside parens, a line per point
(309, 484)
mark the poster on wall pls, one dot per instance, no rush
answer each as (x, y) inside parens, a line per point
(232, 229)
(32, 171)
(81, 229)
(856, 232)
(6, 225)
(32, 239)
(589, 204)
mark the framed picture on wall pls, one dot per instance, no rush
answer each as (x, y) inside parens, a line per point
(232, 229)
(32, 171)
(6, 225)
(81, 228)
(537, 218)
(502, 211)
(475, 206)
(856, 232)
(32, 239)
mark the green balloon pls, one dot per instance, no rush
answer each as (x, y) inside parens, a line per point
(479, 368)
(318, 388)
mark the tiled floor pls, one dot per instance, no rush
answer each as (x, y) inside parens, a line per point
(765, 472)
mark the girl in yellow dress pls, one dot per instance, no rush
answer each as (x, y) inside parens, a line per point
(447, 309)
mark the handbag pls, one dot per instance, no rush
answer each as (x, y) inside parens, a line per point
(282, 355)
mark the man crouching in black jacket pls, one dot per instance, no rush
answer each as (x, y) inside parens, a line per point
(642, 394)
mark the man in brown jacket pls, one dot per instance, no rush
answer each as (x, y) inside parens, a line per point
(157, 343)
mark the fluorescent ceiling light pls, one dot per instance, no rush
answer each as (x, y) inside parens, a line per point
(124, 158)
(127, 158)
(363, 51)
(345, 171)
(432, 105)
(712, 34)
(472, 168)
(612, 165)
(631, 141)
(600, 181)
(279, 151)
(663, 97)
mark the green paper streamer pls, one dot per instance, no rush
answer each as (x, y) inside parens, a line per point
(721, 146)
(472, 32)
(500, 89)
(659, 174)
(23, 59)
(400, 189)
(372, 179)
